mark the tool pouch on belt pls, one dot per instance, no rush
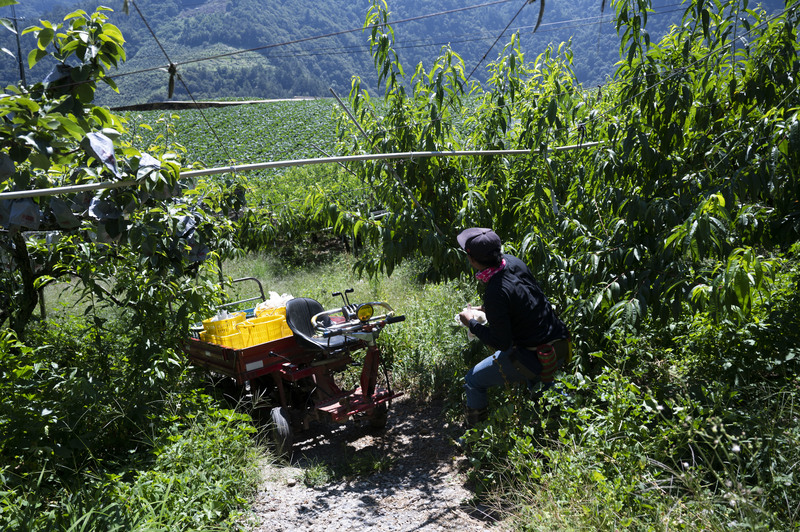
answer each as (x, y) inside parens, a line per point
(548, 359)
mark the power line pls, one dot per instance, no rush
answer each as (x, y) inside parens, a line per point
(669, 75)
(596, 119)
(556, 26)
(359, 49)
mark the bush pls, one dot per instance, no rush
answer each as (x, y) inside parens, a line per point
(647, 442)
(191, 470)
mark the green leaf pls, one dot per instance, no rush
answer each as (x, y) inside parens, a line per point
(35, 56)
(741, 285)
(76, 14)
(45, 38)
(71, 127)
(110, 31)
(103, 116)
(8, 25)
(552, 110)
(71, 46)
(39, 160)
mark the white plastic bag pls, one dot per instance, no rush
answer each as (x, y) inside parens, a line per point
(478, 315)
(102, 148)
(275, 301)
(221, 315)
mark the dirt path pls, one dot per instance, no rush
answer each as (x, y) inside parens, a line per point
(343, 478)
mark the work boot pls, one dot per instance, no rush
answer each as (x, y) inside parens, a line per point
(475, 415)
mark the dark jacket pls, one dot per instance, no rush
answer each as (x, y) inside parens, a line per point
(517, 311)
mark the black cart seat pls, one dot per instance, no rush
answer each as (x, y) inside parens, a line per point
(299, 312)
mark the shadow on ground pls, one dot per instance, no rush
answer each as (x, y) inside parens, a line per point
(352, 477)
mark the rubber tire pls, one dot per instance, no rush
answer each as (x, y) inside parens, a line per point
(282, 433)
(379, 416)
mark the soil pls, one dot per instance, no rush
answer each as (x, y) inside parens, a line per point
(410, 476)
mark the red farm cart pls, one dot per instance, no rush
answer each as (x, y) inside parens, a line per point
(295, 357)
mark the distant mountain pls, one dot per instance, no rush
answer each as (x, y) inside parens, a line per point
(286, 48)
(35, 9)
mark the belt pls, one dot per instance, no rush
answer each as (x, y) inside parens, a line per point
(548, 357)
(555, 344)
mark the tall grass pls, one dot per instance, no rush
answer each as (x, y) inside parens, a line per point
(194, 469)
(428, 353)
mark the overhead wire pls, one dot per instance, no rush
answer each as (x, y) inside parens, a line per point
(413, 18)
(558, 24)
(664, 80)
(339, 50)
(524, 3)
(173, 71)
(314, 37)
(222, 145)
(683, 69)
(360, 49)
(545, 27)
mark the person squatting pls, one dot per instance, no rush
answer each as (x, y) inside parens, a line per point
(531, 341)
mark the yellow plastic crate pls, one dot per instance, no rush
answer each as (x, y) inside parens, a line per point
(224, 327)
(235, 340)
(256, 331)
(271, 311)
(270, 325)
(253, 333)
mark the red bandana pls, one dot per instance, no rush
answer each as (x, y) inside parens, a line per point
(488, 273)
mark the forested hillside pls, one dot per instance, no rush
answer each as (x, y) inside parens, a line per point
(304, 48)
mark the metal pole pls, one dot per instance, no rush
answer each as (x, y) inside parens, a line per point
(371, 157)
(19, 194)
(19, 48)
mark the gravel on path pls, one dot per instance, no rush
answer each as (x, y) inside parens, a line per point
(419, 483)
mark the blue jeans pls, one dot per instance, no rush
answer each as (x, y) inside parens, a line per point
(497, 370)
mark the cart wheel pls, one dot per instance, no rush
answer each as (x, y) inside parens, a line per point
(379, 416)
(282, 433)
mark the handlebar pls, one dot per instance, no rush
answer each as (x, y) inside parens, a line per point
(356, 327)
(347, 315)
(348, 323)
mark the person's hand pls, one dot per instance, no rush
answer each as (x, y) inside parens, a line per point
(465, 316)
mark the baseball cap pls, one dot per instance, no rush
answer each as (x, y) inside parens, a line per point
(479, 242)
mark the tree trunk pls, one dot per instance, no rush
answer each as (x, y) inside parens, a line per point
(30, 297)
